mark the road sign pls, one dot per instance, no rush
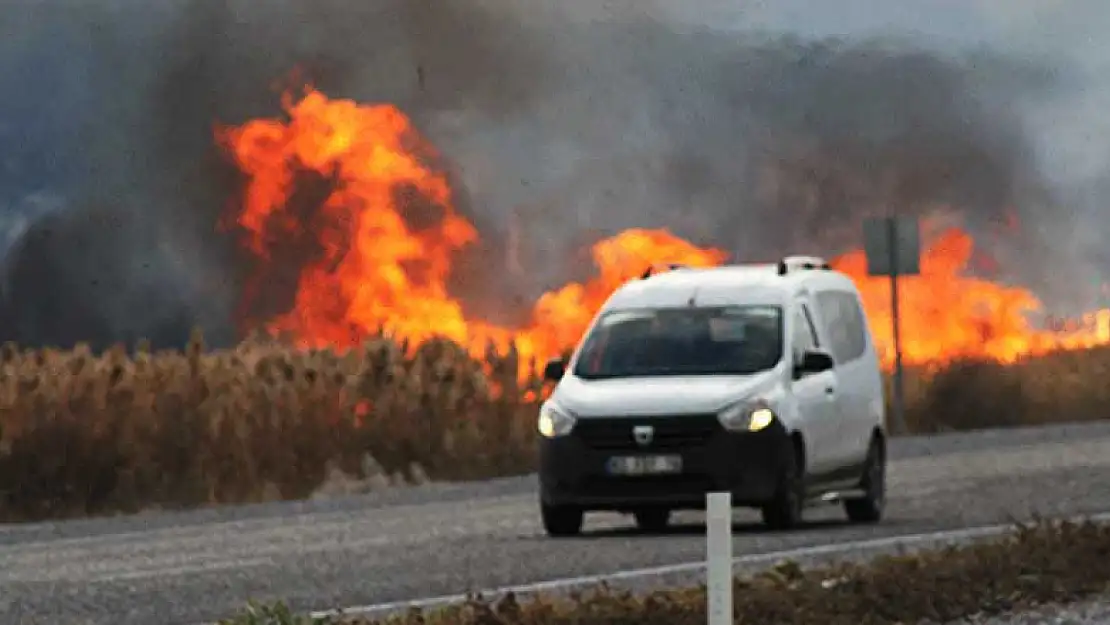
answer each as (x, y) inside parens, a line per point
(892, 245)
(893, 248)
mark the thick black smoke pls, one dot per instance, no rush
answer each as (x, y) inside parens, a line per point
(568, 123)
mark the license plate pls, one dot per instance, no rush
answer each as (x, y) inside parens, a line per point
(645, 465)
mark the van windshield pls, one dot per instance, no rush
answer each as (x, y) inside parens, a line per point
(732, 340)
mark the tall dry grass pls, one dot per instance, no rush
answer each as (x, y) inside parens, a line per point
(90, 434)
(1059, 387)
(84, 434)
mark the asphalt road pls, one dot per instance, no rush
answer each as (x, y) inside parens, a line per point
(199, 566)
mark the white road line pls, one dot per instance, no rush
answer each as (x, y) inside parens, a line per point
(116, 572)
(890, 542)
(184, 569)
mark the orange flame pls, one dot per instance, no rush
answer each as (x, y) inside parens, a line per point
(376, 271)
(945, 314)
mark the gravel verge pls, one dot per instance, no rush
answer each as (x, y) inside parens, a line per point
(1095, 611)
(1038, 563)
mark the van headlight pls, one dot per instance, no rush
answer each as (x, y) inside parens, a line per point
(747, 417)
(554, 421)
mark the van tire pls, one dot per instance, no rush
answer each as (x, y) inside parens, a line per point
(785, 510)
(869, 509)
(561, 521)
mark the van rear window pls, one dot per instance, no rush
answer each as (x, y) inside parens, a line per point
(845, 325)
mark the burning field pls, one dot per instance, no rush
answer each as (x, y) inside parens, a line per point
(352, 192)
(356, 242)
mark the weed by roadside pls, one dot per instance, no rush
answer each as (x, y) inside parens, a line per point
(1043, 562)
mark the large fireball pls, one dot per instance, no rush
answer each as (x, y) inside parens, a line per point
(373, 270)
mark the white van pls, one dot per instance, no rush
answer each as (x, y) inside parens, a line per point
(760, 380)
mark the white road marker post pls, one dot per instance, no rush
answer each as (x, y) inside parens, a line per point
(718, 557)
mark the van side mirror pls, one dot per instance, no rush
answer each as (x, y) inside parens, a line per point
(554, 369)
(813, 361)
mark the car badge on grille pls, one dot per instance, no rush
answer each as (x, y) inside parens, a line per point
(643, 434)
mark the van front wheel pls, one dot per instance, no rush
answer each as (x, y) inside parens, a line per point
(561, 521)
(785, 510)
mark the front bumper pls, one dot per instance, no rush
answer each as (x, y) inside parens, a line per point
(573, 468)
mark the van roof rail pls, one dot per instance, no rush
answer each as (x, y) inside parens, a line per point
(796, 263)
(655, 268)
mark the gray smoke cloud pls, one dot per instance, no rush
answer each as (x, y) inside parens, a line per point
(760, 128)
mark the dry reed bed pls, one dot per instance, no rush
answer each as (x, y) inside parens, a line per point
(84, 434)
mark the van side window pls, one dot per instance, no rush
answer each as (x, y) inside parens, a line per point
(844, 324)
(804, 336)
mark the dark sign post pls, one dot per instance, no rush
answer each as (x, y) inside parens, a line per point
(893, 248)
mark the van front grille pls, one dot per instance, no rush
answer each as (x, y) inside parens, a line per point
(668, 432)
